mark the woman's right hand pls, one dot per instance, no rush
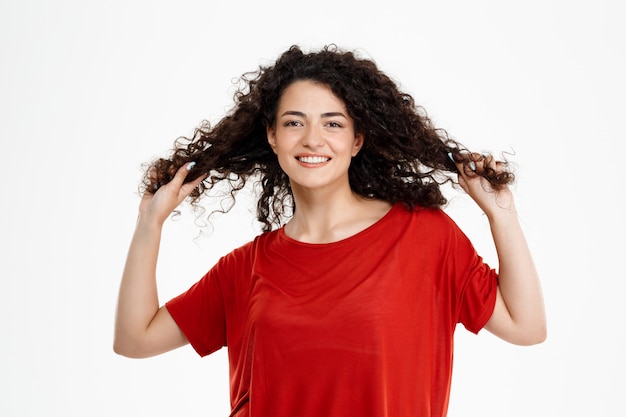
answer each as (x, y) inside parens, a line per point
(142, 328)
(159, 205)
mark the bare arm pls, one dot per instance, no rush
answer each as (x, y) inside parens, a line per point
(142, 328)
(519, 314)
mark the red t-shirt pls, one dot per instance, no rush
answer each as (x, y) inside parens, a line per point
(359, 327)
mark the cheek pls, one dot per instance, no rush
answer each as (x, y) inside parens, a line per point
(282, 153)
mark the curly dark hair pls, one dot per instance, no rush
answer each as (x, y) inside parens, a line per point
(404, 157)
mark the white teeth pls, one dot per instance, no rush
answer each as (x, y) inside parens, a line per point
(313, 159)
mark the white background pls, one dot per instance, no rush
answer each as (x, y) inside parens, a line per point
(91, 90)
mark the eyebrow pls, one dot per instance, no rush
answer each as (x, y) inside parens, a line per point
(301, 114)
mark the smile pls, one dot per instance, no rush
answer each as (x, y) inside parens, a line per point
(313, 159)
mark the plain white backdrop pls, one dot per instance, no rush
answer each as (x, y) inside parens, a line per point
(91, 90)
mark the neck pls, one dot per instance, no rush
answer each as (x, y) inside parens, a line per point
(324, 216)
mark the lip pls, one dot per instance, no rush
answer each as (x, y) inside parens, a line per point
(312, 160)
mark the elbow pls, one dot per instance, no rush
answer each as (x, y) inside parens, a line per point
(122, 349)
(126, 347)
(540, 336)
(127, 352)
(539, 333)
(533, 340)
(527, 334)
(531, 337)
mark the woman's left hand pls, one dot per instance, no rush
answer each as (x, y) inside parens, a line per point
(490, 200)
(519, 314)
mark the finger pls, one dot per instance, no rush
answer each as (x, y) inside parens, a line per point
(460, 163)
(181, 174)
(187, 188)
(470, 165)
(490, 162)
(151, 181)
(482, 162)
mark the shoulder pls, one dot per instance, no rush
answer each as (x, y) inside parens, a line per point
(246, 252)
(233, 269)
(428, 226)
(425, 217)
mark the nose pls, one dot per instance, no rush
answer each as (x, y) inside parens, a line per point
(312, 137)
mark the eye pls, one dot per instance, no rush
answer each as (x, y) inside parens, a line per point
(292, 123)
(333, 124)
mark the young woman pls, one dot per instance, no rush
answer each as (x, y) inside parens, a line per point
(348, 301)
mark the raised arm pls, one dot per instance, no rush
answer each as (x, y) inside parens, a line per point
(519, 315)
(142, 328)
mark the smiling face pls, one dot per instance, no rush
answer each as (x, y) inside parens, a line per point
(313, 137)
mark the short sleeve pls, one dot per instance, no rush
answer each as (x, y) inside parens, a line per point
(475, 282)
(199, 313)
(478, 297)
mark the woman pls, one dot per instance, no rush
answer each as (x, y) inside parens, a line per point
(347, 303)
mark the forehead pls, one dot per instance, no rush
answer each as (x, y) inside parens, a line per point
(310, 94)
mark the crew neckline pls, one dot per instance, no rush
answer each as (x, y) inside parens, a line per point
(283, 236)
